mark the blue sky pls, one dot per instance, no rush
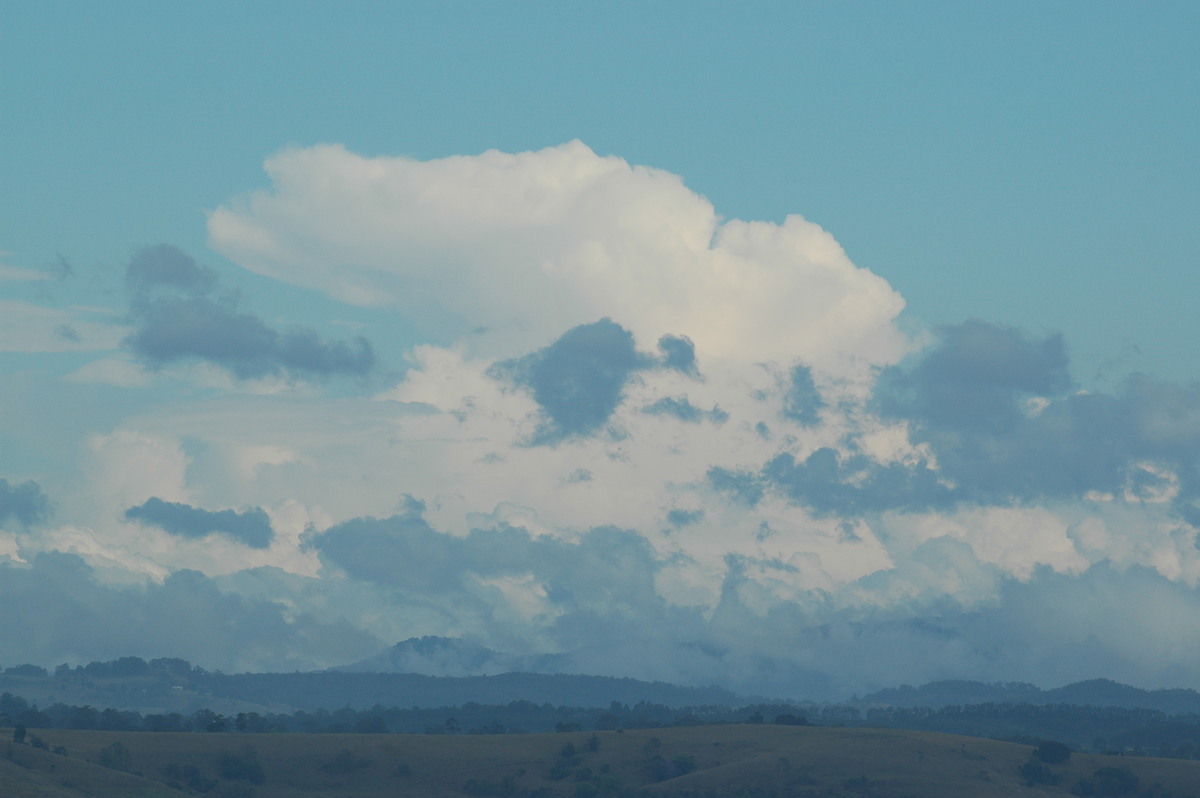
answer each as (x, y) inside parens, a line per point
(809, 313)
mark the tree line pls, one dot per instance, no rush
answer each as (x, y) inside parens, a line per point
(470, 718)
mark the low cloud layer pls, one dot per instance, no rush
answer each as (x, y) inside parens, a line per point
(637, 436)
(69, 614)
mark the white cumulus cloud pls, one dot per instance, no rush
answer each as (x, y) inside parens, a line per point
(527, 245)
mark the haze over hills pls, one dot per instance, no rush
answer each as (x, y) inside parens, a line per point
(452, 657)
(438, 671)
(448, 656)
(174, 685)
(1092, 692)
(131, 694)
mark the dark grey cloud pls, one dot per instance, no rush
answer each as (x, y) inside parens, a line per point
(996, 411)
(803, 401)
(976, 378)
(679, 407)
(679, 354)
(401, 550)
(24, 503)
(404, 551)
(967, 398)
(745, 487)
(55, 610)
(67, 333)
(178, 317)
(579, 380)
(251, 527)
(830, 484)
(165, 266)
(681, 518)
(594, 582)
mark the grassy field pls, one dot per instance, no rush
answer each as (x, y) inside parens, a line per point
(702, 760)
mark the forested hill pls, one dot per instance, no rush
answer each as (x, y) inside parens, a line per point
(175, 685)
(172, 695)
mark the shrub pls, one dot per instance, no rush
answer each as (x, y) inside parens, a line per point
(1106, 782)
(685, 763)
(242, 768)
(116, 757)
(790, 720)
(1051, 752)
(189, 777)
(504, 787)
(372, 724)
(1036, 773)
(559, 770)
(344, 764)
(663, 769)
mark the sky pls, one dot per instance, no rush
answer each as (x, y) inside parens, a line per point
(801, 348)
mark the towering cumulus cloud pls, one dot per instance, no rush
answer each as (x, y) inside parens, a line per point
(637, 436)
(529, 245)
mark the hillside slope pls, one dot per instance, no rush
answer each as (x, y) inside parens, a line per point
(762, 761)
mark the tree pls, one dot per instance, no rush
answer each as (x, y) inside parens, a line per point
(372, 724)
(19, 734)
(116, 757)
(209, 721)
(33, 671)
(244, 767)
(789, 719)
(1052, 753)
(1036, 773)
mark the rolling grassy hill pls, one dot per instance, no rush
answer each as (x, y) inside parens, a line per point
(747, 760)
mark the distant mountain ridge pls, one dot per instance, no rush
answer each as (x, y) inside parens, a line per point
(1092, 692)
(171, 685)
(322, 690)
(437, 671)
(448, 656)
